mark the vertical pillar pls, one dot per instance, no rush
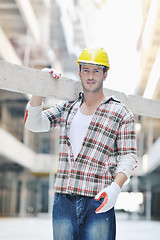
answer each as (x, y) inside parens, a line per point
(51, 191)
(148, 192)
(26, 137)
(148, 200)
(6, 118)
(23, 197)
(13, 196)
(38, 197)
(135, 190)
(150, 133)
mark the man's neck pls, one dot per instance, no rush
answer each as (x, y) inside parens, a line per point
(92, 99)
(91, 102)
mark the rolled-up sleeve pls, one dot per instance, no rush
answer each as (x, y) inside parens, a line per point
(37, 120)
(126, 164)
(126, 145)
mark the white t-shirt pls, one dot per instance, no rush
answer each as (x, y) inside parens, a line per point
(78, 131)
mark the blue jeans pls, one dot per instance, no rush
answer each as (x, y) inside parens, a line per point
(74, 218)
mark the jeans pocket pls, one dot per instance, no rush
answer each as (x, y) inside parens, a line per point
(56, 198)
(100, 200)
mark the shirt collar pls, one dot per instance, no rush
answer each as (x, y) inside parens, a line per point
(113, 98)
(109, 98)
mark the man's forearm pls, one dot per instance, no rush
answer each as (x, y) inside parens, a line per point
(120, 179)
(36, 101)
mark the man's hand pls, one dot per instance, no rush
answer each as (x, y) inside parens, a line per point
(55, 73)
(110, 195)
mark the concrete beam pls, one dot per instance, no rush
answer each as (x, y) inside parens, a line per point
(29, 18)
(17, 152)
(152, 25)
(31, 81)
(7, 51)
(27, 80)
(153, 79)
(46, 163)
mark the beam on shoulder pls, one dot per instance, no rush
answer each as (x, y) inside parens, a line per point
(31, 81)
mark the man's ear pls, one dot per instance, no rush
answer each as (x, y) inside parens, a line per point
(105, 75)
(79, 74)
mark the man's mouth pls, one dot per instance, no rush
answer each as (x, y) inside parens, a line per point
(90, 82)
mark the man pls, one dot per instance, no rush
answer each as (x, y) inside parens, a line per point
(97, 152)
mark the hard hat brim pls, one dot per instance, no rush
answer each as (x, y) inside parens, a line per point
(90, 63)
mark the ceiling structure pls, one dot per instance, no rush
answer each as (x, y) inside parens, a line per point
(149, 48)
(44, 33)
(35, 31)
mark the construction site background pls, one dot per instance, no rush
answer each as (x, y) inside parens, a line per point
(52, 33)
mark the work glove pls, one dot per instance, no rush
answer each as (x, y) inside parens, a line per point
(55, 73)
(110, 195)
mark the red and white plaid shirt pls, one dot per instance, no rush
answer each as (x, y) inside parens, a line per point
(110, 136)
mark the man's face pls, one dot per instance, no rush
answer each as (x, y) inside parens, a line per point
(92, 78)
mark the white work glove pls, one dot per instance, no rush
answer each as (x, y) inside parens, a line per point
(110, 195)
(54, 72)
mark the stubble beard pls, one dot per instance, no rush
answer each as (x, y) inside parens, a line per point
(94, 90)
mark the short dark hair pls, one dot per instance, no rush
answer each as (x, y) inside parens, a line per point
(105, 68)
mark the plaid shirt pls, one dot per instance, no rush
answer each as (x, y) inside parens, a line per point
(111, 134)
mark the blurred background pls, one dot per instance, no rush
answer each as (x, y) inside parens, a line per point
(52, 33)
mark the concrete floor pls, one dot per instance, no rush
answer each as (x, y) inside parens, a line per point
(140, 230)
(25, 229)
(41, 229)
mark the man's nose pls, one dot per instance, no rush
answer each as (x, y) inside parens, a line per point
(90, 76)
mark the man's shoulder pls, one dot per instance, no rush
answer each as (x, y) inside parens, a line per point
(119, 107)
(65, 104)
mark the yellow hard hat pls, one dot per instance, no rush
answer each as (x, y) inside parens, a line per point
(95, 56)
